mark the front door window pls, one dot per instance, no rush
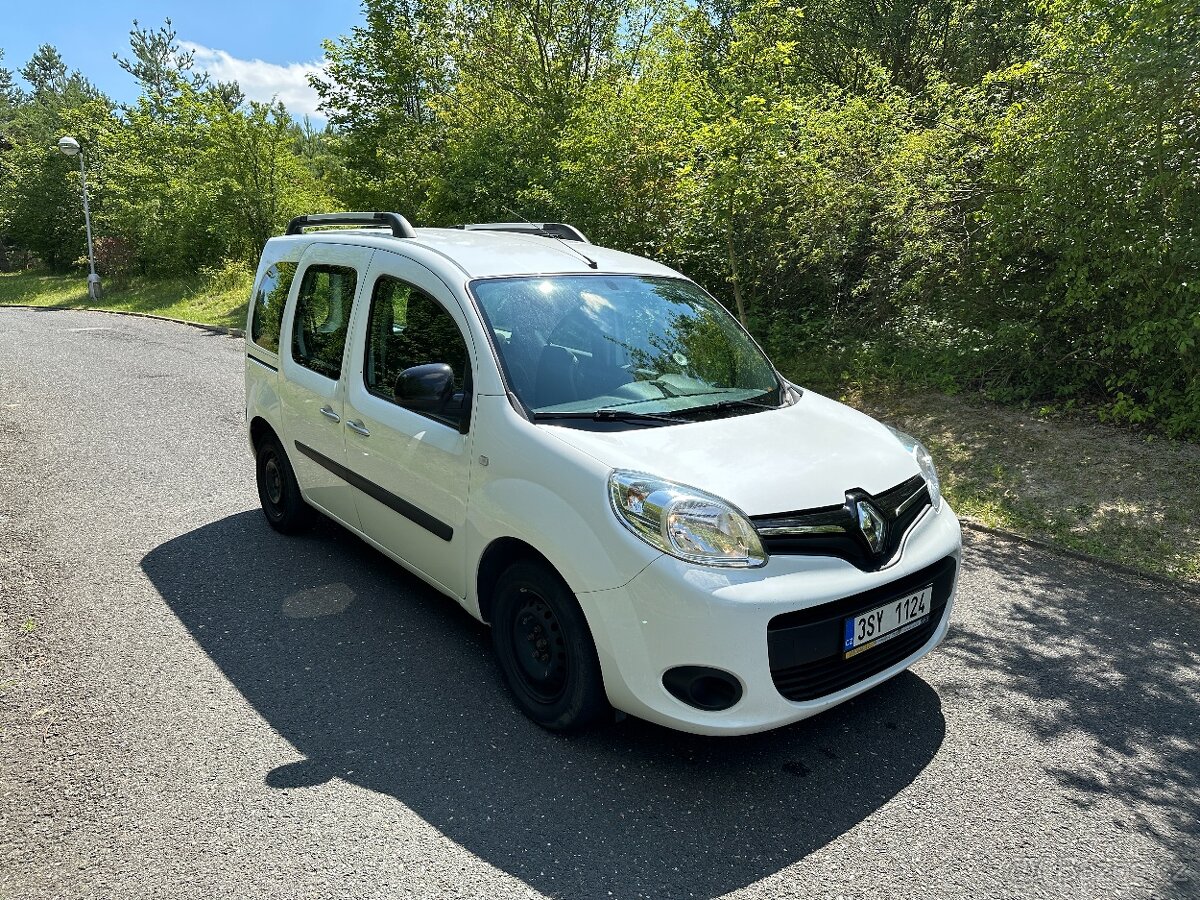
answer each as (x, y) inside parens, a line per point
(409, 328)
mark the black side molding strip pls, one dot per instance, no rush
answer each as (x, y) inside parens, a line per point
(387, 498)
(265, 365)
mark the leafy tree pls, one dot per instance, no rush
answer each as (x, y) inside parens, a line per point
(379, 90)
(195, 174)
(253, 179)
(162, 68)
(46, 73)
(544, 54)
(151, 197)
(447, 108)
(10, 95)
(194, 181)
(40, 204)
(626, 149)
(1090, 275)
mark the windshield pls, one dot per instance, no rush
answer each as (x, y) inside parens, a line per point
(573, 345)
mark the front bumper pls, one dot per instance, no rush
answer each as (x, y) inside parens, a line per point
(678, 614)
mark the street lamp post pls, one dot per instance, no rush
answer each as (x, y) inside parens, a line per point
(70, 147)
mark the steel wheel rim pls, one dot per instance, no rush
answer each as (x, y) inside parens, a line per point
(539, 649)
(273, 480)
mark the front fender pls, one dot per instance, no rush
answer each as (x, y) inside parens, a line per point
(539, 490)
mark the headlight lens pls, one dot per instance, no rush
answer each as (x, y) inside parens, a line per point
(684, 522)
(924, 463)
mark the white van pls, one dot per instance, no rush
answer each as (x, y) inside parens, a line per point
(589, 453)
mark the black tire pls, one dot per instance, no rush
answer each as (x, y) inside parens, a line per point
(278, 491)
(545, 649)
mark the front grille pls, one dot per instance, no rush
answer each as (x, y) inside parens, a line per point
(805, 647)
(834, 530)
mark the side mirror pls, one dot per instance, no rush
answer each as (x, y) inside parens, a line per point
(426, 388)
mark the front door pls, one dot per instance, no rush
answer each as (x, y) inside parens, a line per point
(312, 390)
(414, 463)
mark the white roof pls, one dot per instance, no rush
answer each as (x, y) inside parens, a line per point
(485, 254)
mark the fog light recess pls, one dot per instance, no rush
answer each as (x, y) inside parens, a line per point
(702, 687)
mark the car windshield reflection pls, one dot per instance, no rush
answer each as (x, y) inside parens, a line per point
(583, 344)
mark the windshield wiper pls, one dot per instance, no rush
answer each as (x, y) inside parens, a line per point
(727, 404)
(608, 415)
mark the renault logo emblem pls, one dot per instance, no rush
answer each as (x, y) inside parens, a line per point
(872, 524)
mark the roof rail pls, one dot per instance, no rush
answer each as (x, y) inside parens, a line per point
(560, 230)
(399, 225)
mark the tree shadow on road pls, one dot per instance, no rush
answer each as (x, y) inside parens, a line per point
(378, 680)
(1084, 658)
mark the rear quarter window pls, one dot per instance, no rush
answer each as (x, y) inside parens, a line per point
(269, 300)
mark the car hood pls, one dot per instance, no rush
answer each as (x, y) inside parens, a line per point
(803, 456)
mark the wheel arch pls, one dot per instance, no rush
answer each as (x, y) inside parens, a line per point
(498, 556)
(260, 429)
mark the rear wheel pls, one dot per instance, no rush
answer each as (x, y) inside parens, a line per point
(545, 649)
(278, 491)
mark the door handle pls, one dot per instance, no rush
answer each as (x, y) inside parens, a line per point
(358, 427)
(327, 412)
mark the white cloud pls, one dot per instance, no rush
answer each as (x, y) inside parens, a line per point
(261, 80)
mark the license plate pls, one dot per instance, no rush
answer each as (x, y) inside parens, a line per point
(885, 622)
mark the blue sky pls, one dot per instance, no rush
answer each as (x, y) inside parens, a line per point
(266, 45)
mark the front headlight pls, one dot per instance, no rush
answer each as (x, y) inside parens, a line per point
(924, 463)
(684, 522)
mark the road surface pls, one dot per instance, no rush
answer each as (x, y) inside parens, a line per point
(194, 706)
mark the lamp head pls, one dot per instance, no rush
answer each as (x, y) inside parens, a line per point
(69, 146)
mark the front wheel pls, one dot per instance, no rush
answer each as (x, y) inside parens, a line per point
(278, 490)
(545, 649)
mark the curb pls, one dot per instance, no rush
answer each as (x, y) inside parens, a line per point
(1164, 580)
(215, 329)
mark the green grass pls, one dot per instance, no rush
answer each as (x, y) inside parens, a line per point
(1110, 492)
(212, 298)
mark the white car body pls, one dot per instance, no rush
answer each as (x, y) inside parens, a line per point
(469, 499)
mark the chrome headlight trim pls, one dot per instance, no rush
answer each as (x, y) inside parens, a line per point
(685, 522)
(925, 464)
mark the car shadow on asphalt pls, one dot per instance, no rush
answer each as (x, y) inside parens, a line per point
(379, 680)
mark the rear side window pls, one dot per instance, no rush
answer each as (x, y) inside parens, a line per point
(269, 301)
(322, 314)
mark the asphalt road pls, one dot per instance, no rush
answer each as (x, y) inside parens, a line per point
(194, 706)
